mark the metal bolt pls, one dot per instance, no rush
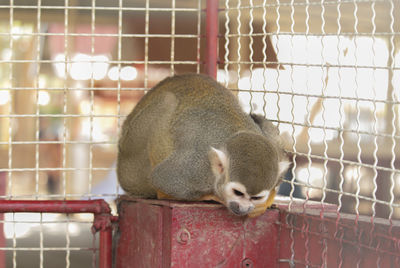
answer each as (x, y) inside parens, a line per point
(247, 263)
(183, 236)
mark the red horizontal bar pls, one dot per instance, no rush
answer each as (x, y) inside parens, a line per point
(55, 206)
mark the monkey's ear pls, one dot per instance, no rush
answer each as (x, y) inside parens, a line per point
(283, 167)
(218, 161)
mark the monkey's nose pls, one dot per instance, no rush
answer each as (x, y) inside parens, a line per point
(238, 210)
(234, 207)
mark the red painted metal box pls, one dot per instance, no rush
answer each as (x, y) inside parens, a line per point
(155, 233)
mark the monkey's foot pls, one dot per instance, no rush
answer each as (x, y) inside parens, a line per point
(261, 208)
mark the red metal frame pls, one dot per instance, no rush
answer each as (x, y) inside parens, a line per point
(102, 222)
(212, 38)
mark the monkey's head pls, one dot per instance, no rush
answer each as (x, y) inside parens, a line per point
(246, 169)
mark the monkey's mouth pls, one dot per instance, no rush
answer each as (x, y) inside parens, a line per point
(238, 210)
(238, 213)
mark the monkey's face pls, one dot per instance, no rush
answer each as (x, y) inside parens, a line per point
(239, 201)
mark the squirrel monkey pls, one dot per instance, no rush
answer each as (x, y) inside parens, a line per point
(188, 139)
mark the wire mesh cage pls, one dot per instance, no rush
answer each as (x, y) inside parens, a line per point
(71, 71)
(325, 72)
(333, 91)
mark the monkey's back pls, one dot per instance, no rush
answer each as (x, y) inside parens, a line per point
(185, 112)
(196, 91)
(199, 97)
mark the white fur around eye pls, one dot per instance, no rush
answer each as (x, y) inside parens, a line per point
(264, 194)
(231, 186)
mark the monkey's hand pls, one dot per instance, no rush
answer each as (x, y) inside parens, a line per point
(260, 209)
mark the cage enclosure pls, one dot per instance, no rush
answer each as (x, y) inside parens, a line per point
(326, 73)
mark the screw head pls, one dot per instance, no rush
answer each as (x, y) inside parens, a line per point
(247, 263)
(183, 236)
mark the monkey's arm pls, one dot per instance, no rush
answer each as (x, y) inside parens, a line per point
(260, 209)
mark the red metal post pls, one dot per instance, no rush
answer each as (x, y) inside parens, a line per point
(212, 38)
(103, 223)
(105, 251)
(2, 238)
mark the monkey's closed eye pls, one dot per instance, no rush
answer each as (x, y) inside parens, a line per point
(238, 193)
(255, 198)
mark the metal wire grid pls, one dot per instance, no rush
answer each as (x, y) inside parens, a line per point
(39, 16)
(66, 88)
(364, 157)
(239, 60)
(29, 230)
(392, 99)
